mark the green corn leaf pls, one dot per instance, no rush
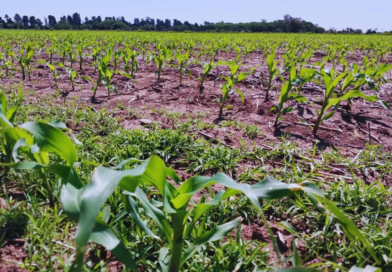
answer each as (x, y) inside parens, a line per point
(347, 81)
(22, 143)
(284, 91)
(51, 139)
(164, 259)
(329, 115)
(88, 79)
(4, 121)
(106, 212)
(296, 259)
(293, 73)
(70, 191)
(241, 95)
(3, 102)
(241, 77)
(131, 208)
(157, 215)
(383, 68)
(351, 94)
(298, 98)
(25, 165)
(58, 124)
(217, 233)
(270, 60)
(272, 188)
(103, 235)
(339, 78)
(11, 113)
(202, 208)
(104, 182)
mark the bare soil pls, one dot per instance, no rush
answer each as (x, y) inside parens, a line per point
(347, 130)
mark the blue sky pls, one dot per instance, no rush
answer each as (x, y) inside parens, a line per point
(363, 14)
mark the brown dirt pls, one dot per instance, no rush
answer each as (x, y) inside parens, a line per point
(10, 256)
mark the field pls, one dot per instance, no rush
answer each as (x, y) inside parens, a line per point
(145, 151)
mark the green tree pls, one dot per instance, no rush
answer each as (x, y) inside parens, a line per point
(33, 22)
(63, 25)
(17, 18)
(52, 21)
(25, 22)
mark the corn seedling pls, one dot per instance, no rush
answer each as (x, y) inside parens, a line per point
(177, 226)
(273, 71)
(207, 67)
(50, 50)
(182, 65)
(228, 88)
(331, 81)
(116, 56)
(130, 64)
(159, 58)
(81, 54)
(286, 95)
(72, 75)
(24, 58)
(55, 74)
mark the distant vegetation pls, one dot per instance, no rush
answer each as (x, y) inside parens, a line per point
(288, 24)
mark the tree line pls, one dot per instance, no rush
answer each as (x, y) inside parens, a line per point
(288, 24)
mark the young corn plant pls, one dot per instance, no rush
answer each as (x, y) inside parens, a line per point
(55, 74)
(72, 75)
(36, 140)
(207, 67)
(182, 65)
(116, 56)
(130, 64)
(374, 75)
(52, 68)
(108, 81)
(24, 58)
(7, 65)
(80, 47)
(331, 81)
(160, 58)
(50, 50)
(64, 49)
(305, 75)
(273, 73)
(180, 228)
(229, 87)
(290, 59)
(96, 55)
(286, 95)
(105, 76)
(71, 55)
(247, 49)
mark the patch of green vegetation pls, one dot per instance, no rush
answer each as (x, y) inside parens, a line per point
(103, 141)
